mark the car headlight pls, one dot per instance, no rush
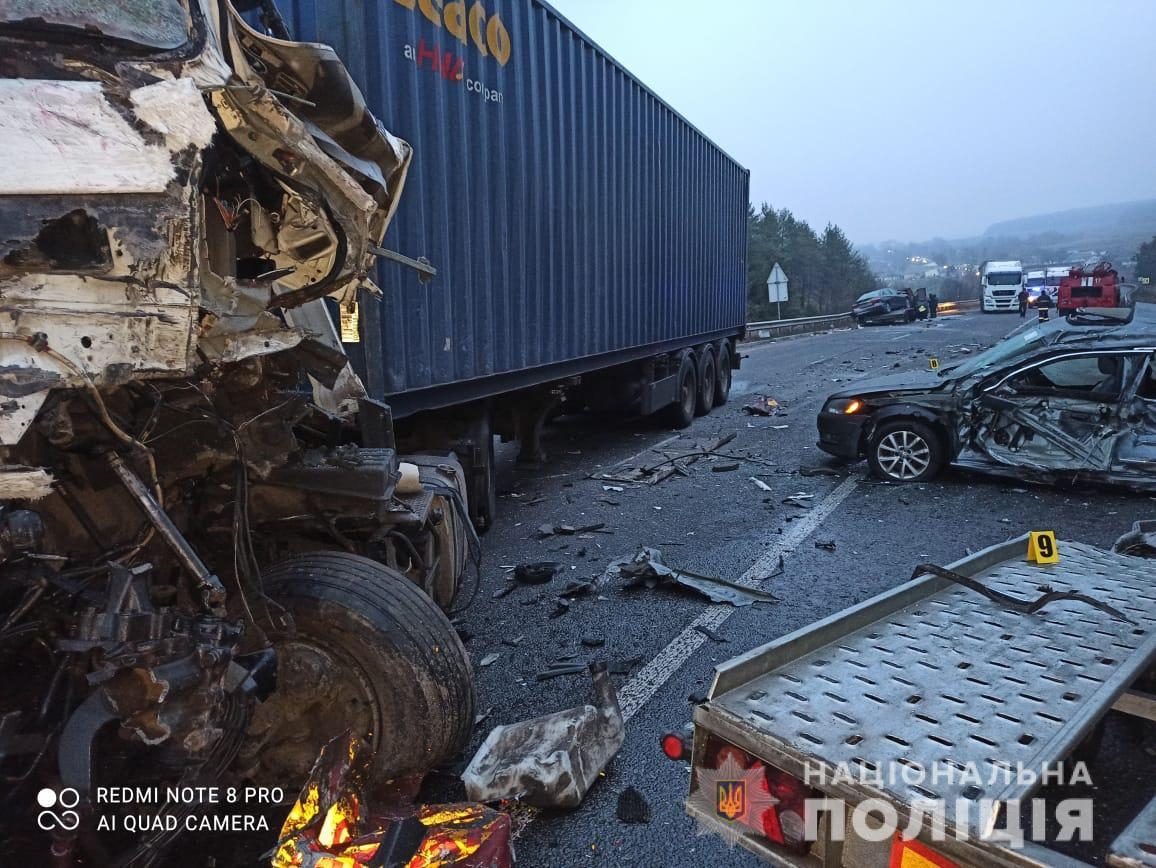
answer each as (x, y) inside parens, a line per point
(844, 406)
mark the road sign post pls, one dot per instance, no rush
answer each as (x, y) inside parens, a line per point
(777, 289)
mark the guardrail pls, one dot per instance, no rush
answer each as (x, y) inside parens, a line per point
(775, 328)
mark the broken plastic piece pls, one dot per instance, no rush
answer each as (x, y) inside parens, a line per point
(553, 760)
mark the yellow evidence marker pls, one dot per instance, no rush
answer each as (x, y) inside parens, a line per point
(1042, 547)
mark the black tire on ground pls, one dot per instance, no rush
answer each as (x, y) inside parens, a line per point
(368, 651)
(704, 401)
(681, 413)
(905, 450)
(722, 386)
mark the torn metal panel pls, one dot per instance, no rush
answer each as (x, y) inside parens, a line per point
(66, 137)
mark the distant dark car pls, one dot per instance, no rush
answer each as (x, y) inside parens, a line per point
(1072, 397)
(883, 306)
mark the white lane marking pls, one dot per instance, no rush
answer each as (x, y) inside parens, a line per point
(636, 456)
(642, 687)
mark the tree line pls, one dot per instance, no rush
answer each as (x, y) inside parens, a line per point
(825, 273)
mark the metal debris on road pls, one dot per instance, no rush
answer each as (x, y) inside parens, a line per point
(799, 501)
(724, 468)
(762, 406)
(561, 607)
(557, 669)
(818, 471)
(825, 544)
(553, 760)
(593, 641)
(537, 573)
(1026, 607)
(760, 483)
(647, 568)
(489, 659)
(1140, 541)
(632, 807)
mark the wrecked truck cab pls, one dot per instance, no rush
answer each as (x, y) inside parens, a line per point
(202, 518)
(1068, 399)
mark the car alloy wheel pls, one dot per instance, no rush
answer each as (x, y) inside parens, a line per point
(903, 454)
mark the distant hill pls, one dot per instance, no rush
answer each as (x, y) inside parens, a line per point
(1122, 220)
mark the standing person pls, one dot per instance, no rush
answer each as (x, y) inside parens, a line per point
(1044, 304)
(932, 304)
(1023, 297)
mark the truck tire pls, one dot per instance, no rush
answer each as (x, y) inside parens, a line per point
(681, 413)
(366, 650)
(722, 386)
(707, 375)
(905, 450)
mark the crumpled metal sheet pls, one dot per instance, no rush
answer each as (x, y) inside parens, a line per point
(647, 568)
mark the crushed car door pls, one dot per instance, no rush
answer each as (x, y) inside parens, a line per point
(1062, 413)
(1138, 449)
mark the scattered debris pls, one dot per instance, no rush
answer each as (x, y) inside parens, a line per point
(489, 659)
(613, 488)
(548, 530)
(724, 468)
(504, 592)
(624, 667)
(537, 573)
(561, 607)
(779, 569)
(709, 633)
(593, 641)
(632, 807)
(818, 471)
(608, 501)
(825, 544)
(578, 588)
(514, 643)
(647, 568)
(760, 483)
(762, 406)
(557, 669)
(553, 760)
(799, 500)
(478, 718)
(1140, 541)
(697, 698)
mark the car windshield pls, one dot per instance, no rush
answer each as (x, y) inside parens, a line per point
(159, 24)
(1018, 343)
(1004, 278)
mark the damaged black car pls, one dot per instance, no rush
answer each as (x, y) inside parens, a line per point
(1071, 399)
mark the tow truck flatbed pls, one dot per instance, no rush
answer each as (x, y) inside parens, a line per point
(932, 673)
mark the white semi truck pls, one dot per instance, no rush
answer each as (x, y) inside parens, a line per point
(1000, 285)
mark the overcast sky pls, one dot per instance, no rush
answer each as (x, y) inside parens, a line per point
(906, 120)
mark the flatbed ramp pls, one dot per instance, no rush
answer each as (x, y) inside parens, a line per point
(933, 675)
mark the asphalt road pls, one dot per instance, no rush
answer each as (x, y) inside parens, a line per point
(722, 524)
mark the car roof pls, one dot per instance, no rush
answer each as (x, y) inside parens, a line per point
(1141, 329)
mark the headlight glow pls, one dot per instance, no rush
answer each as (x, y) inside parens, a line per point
(844, 406)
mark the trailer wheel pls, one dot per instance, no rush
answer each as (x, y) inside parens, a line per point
(704, 401)
(367, 650)
(681, 413)
(722, 386)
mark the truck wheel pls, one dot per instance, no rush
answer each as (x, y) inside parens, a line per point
(367, 651)
(722, 385)
(704, 401)
(905, 450)
(681, 413)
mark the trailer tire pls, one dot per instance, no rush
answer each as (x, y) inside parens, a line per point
(681, 413)
(707, 377)
(722, 387)
(366, 650)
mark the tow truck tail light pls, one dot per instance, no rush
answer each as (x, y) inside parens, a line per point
(772, 802)
(673, 747)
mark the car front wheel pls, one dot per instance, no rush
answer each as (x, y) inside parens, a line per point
(905, 451)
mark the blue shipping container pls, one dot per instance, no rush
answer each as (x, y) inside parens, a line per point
(575, 219)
